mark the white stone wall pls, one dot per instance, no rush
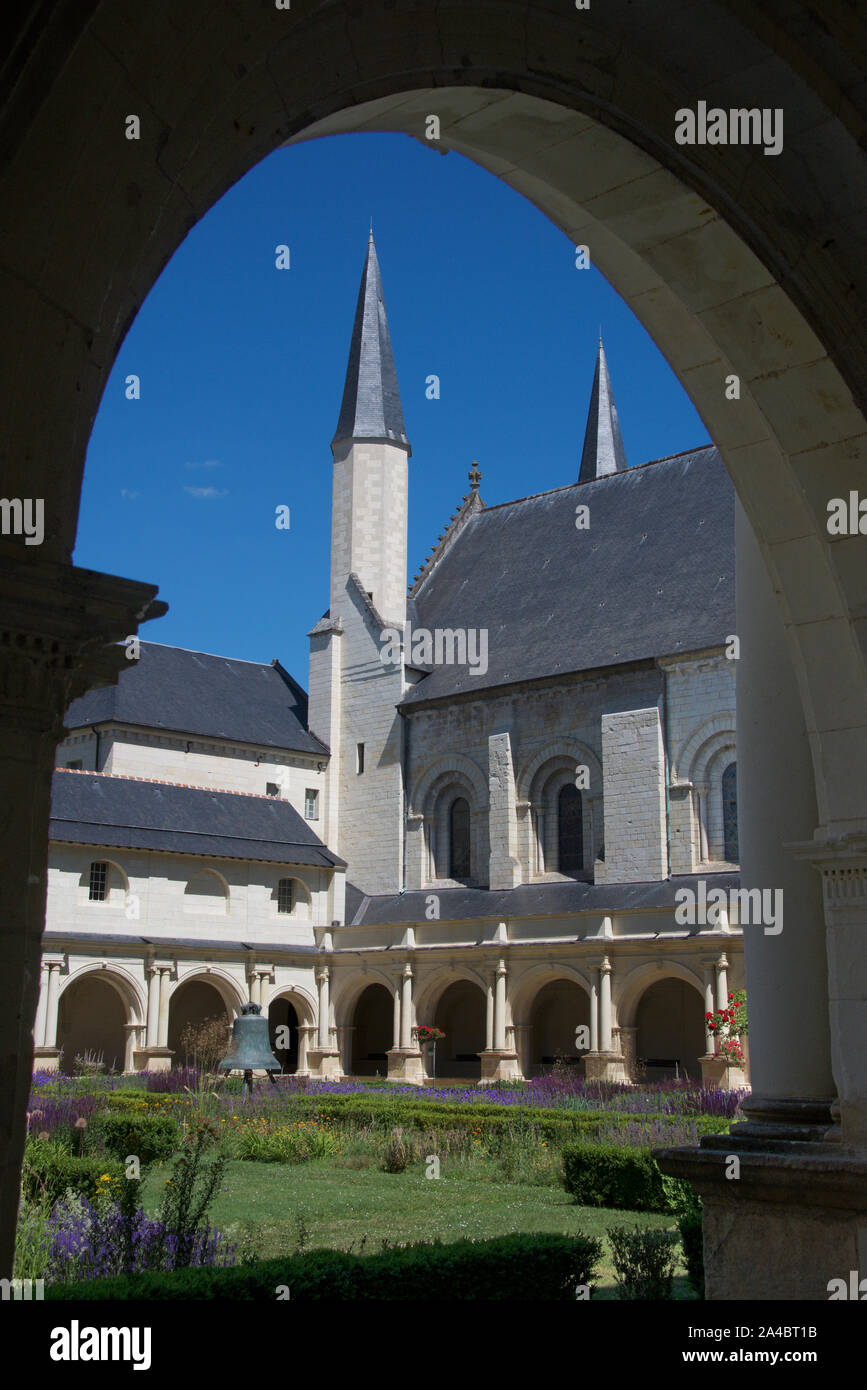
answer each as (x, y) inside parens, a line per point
(148, 897)
(701, 742)
(635, 815)
(201, 762)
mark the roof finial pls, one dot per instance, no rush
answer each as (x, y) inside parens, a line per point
(475, 476)
(370, 238)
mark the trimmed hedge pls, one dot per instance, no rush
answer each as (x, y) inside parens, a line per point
(523, 1267)
(48, 1173)
(692, 1240)
(606, 1175)
(152, 1138)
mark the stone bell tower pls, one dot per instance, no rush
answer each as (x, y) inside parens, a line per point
(353, 694)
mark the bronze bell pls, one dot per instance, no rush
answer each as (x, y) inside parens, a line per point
(250, 1048)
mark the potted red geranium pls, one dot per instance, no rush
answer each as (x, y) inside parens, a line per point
(428, 1037)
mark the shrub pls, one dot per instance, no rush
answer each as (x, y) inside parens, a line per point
(606, 1175)
(205, 1044)
(518, 1267)
(692, 1239)
(49, 1172)
(644, 1262)
(397, 1155)
(290, 1143)
(152, 1138)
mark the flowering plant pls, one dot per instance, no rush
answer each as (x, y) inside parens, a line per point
(728, 1025)
(425, 1034)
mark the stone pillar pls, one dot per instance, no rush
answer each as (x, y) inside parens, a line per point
(52, 1003)
(304, 1032)
(793, 1219)
(594, 1011)
(500, 1007)
(701, 795)
(605, 1006)
(324, 1058)
(163, 1017)
(489, 1015)
(503, 867)
(709, 981)
(395, 1031)
(406, 1009)
(634, 801)
(59, 627)
(722, 983)
(255, 980)
(153, 1007)
(41, 1008)
(405, 1060)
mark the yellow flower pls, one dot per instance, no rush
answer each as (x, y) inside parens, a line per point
(106, 1177)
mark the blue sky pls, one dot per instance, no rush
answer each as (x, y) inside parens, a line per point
(242, 369)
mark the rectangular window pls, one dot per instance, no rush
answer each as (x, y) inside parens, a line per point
(359, 755)
(286, 895)
(74, 766)
(271, 789)
(98, 882)
(311, 804)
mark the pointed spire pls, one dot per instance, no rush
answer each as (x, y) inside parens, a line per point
(371, 406)
(603, 451)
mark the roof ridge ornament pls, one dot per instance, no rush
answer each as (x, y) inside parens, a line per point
(603, 451)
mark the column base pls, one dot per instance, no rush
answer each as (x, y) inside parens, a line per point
(499, 1064)
(605, 1066)
(46, 1058)
(793, 1220)
(324, 1063)
(406, 1064)
(715, 1071)
(153, 1058)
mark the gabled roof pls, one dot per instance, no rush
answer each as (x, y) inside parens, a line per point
(653, 575)
(89, 808)
(196, 693)
(603, 451)
(371, 407)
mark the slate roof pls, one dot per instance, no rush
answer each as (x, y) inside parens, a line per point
(653, 575)
(603, 451)
(371, 407)
(128, 813)
(529, 900)
(196, 693)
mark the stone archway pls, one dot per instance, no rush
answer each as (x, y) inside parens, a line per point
(560, 1007)
(734, 273)
(373, 1021)
(92, 1019)
(193, 1005)
(460, 1014)
(670, 1036)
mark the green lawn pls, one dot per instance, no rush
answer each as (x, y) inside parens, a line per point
(340, 1206)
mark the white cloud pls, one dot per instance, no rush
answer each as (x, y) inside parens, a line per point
(207, 491)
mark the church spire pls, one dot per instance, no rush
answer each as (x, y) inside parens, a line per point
(371, 406)
(603, 451)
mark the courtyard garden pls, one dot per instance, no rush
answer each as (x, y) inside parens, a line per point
(177, 1184)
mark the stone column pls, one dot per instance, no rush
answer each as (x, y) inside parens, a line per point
(153, 1007)
(41, 1008)
(796, 1215)
(489, 1015)
(722, 983)
(395, 1031)
(406, 1009)
(59, 627)
(500, 1007)
(709, 979)
(163, 1016)
(324, 1008)
(594, 1011)
(304, 1031)
(324, 1058)
(255, 980)
(701, 795)
(605, 1006)
(52, 1003)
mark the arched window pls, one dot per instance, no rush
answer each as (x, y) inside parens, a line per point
(730, 813)
(570, 830)
(286, 895)
(100, 879)
(459, 838)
